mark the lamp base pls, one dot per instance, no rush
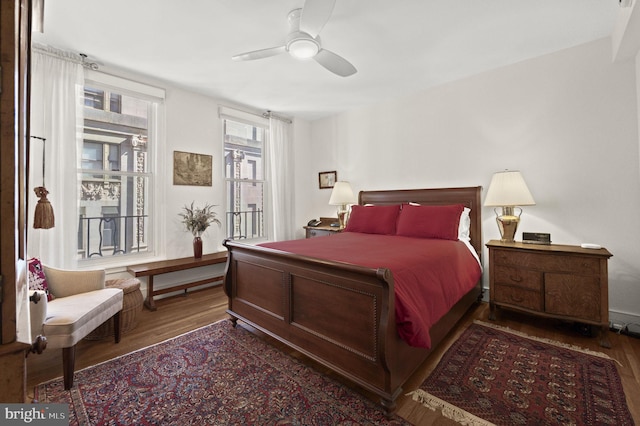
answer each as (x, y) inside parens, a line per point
(342, 216)
(508, 226)
(508, 223)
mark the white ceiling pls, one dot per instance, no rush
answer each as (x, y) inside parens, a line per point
(398, 46)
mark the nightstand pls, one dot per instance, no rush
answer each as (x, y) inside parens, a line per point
(323, 229)
(551, 280)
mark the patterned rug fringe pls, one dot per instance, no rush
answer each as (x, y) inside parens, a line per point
(448, 410)
(548, 341)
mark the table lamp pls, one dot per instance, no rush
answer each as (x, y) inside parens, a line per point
(508, 190)
(341, 196)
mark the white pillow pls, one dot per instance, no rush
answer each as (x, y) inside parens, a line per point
(463, 225)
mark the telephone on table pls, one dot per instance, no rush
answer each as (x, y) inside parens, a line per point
(314, 222)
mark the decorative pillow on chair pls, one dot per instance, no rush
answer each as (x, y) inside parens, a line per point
(37, 279)
(373, 219)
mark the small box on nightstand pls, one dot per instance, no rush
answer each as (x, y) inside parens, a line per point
(536, 238)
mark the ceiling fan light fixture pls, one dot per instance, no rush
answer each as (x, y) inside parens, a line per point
(303, 48)
(303, 41)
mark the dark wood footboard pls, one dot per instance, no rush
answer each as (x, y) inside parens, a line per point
(340, 315)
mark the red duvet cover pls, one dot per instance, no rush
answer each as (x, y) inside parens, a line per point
(430, 275)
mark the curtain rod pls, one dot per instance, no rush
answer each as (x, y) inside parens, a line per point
(80, 58)
(269, 114)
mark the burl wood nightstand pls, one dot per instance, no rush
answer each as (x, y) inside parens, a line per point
(551, 280)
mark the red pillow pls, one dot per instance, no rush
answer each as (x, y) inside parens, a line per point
(430, 221)
(37, 279)
(373, 219)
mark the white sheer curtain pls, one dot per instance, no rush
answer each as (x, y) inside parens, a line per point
(56, 115)
(281, 177)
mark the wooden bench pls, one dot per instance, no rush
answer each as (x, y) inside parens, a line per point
(152, 269)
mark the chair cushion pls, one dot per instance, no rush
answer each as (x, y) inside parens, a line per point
(37, 279)
(64, 282)
(70, 319)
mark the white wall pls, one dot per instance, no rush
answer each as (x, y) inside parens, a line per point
(192, 125)
(567, 120)
(307, 195)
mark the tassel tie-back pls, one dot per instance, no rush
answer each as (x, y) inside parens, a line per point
(43, 217)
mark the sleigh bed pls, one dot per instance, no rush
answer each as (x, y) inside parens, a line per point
(341, 314)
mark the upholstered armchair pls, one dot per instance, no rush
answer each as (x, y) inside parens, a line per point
(78, 303)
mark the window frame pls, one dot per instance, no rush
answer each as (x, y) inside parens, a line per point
(242, 117)
(155, 132)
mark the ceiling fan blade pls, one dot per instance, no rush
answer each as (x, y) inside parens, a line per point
(315, 15)
(259, 54)
(335, 63)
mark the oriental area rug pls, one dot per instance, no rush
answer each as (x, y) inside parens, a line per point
(494, 375)
(215, 375)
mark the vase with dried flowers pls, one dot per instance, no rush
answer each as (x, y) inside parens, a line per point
(197, 220)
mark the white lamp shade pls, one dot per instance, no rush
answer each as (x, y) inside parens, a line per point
(341, 194)
(508, 188)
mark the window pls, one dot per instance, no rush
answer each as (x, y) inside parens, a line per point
(93, 98)
(116, 173)
(246, 187)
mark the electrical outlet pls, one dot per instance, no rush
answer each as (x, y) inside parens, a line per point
(616, 326)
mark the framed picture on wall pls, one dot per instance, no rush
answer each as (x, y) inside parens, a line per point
(327, 179)
(192, 169)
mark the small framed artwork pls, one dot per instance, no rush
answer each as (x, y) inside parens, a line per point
(327, 179)
(192, 169)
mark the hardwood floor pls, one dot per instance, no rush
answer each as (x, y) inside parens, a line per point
(180, 314)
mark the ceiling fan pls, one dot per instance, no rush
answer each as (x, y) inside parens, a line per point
(303, 41)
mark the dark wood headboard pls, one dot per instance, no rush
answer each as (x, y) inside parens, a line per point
(468, 196)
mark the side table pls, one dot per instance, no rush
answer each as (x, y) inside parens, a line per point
(551, 280)
(323, 229)
(131, 305)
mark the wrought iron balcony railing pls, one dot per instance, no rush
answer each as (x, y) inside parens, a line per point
(245, 224)
(111, 235)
